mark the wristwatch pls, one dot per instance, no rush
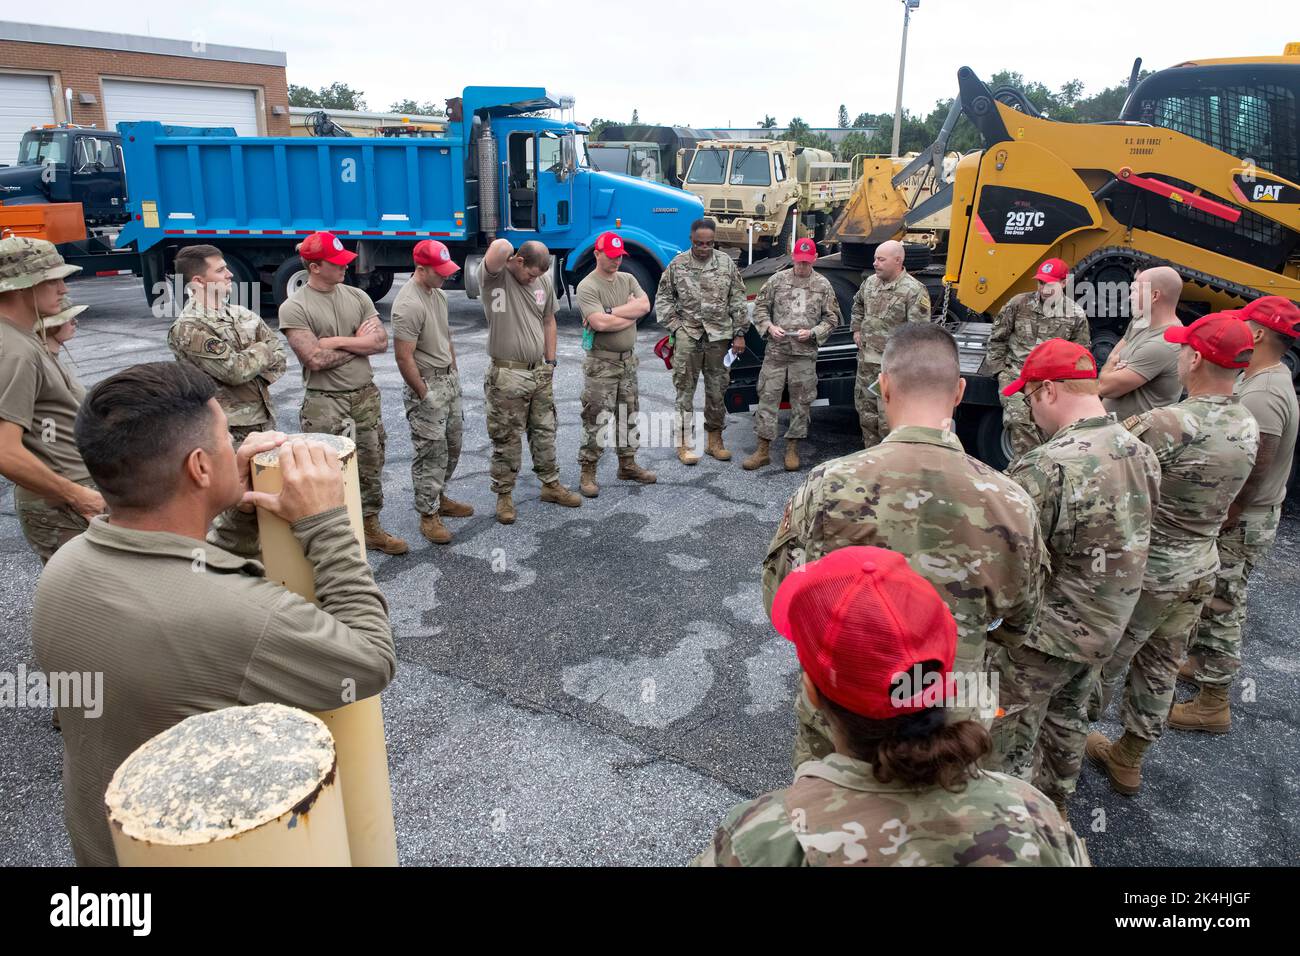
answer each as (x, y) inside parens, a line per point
(552, 363)
(608, 310)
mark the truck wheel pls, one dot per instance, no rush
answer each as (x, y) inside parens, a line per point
(781, 246)
(248, 290)
(992, 444)
(379, 284)
(289, 278)
(647, 280)
(153, 277)
(1103, 343)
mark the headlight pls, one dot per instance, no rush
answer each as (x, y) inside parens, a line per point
(760, 209)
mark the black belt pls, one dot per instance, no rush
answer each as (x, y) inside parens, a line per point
(522, 366)
(611, 356)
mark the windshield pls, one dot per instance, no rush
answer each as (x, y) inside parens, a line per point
(610, 159)
(750, 168)
(709, 167)
(37, 149)
(580, 147)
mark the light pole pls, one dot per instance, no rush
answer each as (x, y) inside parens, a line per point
(908, 7)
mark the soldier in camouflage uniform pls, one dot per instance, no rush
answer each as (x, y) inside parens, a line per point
(885, 301)
(611, 303)
(842, 810)
(334, 328)
(1026, 320)
(1206, 446)
(426, 359)
(39, 397)
(1094, 485)
(966, 528)
(701, 301)
(797, 310)
(1246, 537)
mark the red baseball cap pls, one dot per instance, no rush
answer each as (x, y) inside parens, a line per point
(610, 243)
(325, 247)
(1220, 337)
(664, 351)
(1054, 361)
(1274, 312)
(1053, 270)
(859, 618)
(432, 253)
(805, 250)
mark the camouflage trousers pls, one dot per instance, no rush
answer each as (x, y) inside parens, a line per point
(47, 526)
(690, 359)
(520, 401)
(1044, 701)
(1150, 653)
(1017, 421)
(1217, 637)
(356, 414)
(871, 408)
(437, 423)
(610, 400)
(226, 531)
(780, 368)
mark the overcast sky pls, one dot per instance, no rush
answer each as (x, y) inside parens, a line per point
(700, 63)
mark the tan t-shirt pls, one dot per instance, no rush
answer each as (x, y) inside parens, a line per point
(1147, 353)
(515, 313)
(326, 314)
(41, 397)
(1270, 397)
(420, 316)
(596, 293)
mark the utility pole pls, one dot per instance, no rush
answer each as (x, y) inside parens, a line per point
(908, 7)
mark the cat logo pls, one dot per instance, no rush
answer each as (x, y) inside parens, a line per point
(1266, 193)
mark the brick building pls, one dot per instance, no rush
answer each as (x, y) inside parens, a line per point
(114, 77)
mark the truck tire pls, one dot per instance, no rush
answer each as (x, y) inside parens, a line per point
(646, 279)
(153, 276)
(379, 284)
(781, 245)
(289, 278)
(248, 291)
(1103, 343)
(992, 445)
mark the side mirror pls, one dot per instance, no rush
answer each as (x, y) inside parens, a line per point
(568, 157)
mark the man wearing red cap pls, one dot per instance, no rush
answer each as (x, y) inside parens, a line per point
(1206, 446)
(796, 310)
(519, 303)
(1214, 655)
(426, 358)
(901, 786)
(611, 302)
(1095, 485)
(1026, 320)
(333, 328)
(968, 529)
(1141, 372)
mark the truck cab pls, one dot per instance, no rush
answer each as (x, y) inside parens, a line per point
(66, 163)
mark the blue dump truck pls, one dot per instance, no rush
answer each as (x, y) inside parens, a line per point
(501, 170)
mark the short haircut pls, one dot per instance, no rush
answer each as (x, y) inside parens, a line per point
(699, 224)
(535, 254)
(1275, 339)
(921, 357)
(193, 261)
(135, 429)
(1079, 386)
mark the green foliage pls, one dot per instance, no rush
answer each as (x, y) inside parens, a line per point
(419, 109)
(636, 116)
(769, 122)
(336, 96)
(842, 119)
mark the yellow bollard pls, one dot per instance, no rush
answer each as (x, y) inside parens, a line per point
(241, 786)
(358, 728)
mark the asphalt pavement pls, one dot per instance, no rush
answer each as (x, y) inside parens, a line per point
(599, 685)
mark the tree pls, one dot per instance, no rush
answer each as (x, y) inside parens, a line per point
(843, 118)
(419, 109)
(769, 122)
(852, 144)
(336, 96)
(598, 124)
(636, 117)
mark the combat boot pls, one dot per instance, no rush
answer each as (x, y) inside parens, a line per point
(1122, 760)
(378, 539)
(587, 483)
(505, 508)
(557, 494)
(629, 470)
(448, 508)
(715, 447)
(1209, 711)
(760, 457)
(792, 454)
(432, 528)
(1188, 671)
(685, 455)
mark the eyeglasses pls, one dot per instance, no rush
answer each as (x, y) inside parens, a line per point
(1027, 393)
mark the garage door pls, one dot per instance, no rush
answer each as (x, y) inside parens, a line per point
(180, 105)
(25, 101)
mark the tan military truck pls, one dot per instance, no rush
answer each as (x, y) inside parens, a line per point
(764, 193)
